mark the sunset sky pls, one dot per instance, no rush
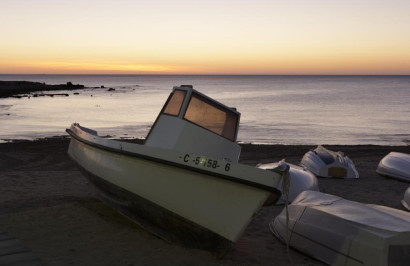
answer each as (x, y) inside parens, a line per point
(204, 37)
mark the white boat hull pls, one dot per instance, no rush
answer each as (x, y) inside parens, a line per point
(395, 165)
(325, 163)
(342, 232)
(169, 194)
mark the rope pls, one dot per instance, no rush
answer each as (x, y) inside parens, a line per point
(285, 190)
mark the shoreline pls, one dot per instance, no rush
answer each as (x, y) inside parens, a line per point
(51, 208)
(16, 113)
(245, 145)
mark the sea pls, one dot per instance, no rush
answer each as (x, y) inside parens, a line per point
(311, 110)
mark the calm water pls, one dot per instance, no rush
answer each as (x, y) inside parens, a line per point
(274, 109)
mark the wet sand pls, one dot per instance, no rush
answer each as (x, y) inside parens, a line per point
(50, 207)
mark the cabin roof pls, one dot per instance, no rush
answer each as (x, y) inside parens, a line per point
(197, 108)
(193, 122)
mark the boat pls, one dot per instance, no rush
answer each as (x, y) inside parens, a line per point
(395, 165)
(406, 199)
(300, 180)
(342, 232)
(184, 183)
(326, 163)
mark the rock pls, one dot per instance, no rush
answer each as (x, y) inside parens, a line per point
(14, 88)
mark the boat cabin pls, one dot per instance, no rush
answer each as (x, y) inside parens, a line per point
(194, 123)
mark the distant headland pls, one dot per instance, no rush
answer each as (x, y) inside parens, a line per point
(12, 88)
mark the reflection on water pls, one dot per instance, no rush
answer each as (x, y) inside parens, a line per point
(115, 113)
(290, 110)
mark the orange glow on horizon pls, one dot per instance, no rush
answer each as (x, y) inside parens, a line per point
(221, 37)
(83, 68)
(279, 66)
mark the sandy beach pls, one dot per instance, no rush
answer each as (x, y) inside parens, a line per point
(50, 207)
(198, 77)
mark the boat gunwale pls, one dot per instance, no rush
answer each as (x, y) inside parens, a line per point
(389, 174)
(175, 164)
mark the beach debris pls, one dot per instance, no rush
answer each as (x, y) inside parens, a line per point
(111, 89)
(326, 163)
(342, 232)
(395, 165)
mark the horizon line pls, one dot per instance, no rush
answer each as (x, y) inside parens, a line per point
(152, 74)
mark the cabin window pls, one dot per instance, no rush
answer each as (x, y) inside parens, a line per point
(208, 115)
(175, 102)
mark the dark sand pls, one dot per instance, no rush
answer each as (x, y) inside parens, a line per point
(50, 207)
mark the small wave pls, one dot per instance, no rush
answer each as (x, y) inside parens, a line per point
(5, 106)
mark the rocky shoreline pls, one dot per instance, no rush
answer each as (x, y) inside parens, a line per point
(15, 88)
